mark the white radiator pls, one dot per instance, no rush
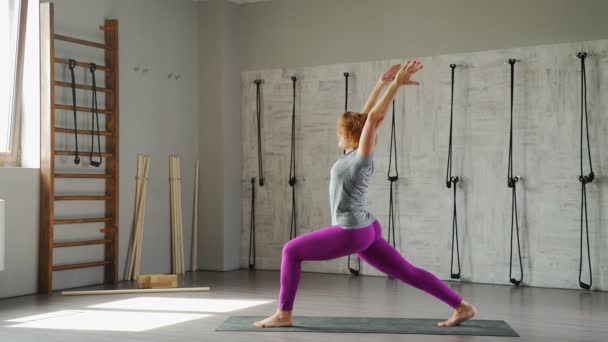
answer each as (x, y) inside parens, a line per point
(2, 225)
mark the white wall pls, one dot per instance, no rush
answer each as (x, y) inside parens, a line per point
(294, 33)
(220, 135)
(19, 187)
(546, 154)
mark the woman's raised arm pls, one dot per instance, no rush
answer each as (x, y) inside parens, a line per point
(385, 79)
(378, 112)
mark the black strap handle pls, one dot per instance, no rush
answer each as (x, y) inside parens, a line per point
(584, 179)
(94, 118)
(292, 165)
(71, 66)
(252, 227)
(452, 181)
(511, 183)
(259, 116)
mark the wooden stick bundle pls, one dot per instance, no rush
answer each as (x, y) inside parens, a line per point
(177, 242)
(194, 252)
(134, 259)
(140, 235)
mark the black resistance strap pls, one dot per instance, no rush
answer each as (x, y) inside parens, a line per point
(584, 179)
(252, 227)
(292, 165)
(512, 183)
(354, 271)
(71, 66)
(258, 92)
(392, 179)
(346, 75)
(94, 118)
(452, 181)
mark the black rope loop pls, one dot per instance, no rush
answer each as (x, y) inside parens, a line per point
(511, 183)
(392, 179)
(259, 117)
(252, 227)
(94, 118)
(292, 165)
(451, 182)
(71, 66)
(583, 178)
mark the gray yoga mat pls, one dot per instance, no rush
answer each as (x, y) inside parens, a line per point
(374, 325)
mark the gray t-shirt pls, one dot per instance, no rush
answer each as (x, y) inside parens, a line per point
(348, 184)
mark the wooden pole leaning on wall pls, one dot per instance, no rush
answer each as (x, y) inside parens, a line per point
(131, 258)
(140, 234)
(194, 252)
(134, 260)
(130, 291)
(172, 206)
(176, 216)
(181, 223)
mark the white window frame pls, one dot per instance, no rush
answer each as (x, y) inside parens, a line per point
(12, 158)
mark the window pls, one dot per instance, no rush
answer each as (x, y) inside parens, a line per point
(11, 28)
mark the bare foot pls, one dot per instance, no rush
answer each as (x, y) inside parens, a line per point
(462, 313)
(279, 319)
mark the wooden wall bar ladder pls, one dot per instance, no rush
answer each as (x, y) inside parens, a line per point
(48, 153)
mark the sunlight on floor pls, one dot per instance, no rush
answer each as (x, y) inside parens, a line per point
(181, 304)
(131, 321)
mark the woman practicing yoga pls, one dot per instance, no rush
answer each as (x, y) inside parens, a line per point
(354, 229)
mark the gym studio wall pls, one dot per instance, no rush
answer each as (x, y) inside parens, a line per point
(546, 154)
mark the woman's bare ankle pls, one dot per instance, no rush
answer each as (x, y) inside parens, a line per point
(284, 313)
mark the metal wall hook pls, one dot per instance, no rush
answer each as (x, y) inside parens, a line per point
(459, 66)
(517, 177)
(512, 60)
(140, 69)
(583, 54)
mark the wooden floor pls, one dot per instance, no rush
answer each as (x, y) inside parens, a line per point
(537, 314)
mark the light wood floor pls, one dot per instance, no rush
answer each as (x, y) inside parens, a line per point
(537, 314)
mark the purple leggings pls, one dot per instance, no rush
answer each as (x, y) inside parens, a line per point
(334, 241)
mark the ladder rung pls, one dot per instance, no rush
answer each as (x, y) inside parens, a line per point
(82, 153)
(82, 198)
(81, 64)
(82, 86)
(83, 109)
(82, 265)
(81, 41)
(83, 220)
(82, 175)
(81, 243)
(81, 131)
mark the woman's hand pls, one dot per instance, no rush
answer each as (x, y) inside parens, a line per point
(406, 72)
(389, 75)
